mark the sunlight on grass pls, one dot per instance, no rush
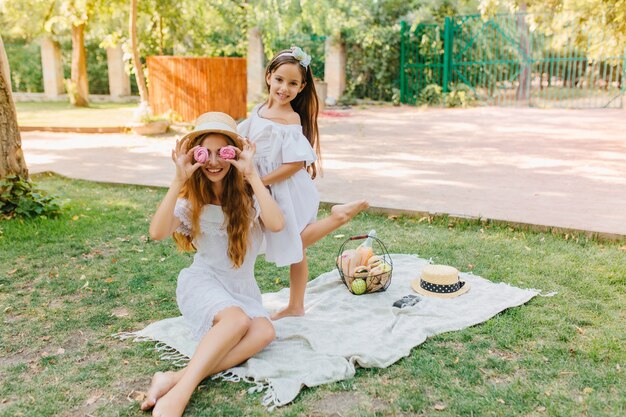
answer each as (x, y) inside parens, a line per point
(61, 114)
(67, 284)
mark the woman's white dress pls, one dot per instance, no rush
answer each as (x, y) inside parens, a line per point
(211, 283)
(277, 144)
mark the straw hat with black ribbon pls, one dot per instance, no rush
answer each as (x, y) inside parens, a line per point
(441, 281)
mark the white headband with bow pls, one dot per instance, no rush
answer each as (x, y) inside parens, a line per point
(300, 55)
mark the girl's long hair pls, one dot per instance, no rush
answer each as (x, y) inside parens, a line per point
(236, 200)
(305, 104)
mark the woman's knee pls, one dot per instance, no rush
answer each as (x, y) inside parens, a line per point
(266, 332)
(236, 317)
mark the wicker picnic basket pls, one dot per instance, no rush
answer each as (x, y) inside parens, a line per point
(371, 263)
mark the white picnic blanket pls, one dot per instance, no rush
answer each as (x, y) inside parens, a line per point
(341, 330)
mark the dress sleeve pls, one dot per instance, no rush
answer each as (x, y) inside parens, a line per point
(296, 147)
(181, 211)
(243, 128)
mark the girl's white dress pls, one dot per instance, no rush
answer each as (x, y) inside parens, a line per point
(277, 144)
(211, 283)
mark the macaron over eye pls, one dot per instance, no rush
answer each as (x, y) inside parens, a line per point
(227, 152)
(201, 154)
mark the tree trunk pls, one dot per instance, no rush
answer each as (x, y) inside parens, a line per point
(11, 155)
(4, 64)
(141, 81)
(79, 88)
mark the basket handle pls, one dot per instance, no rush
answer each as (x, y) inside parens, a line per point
(358, 237)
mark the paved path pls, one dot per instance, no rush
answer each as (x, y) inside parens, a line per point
(563, 168)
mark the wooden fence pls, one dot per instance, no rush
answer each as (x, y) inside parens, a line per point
(192, 86)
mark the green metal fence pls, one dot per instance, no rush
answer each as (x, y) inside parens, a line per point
(508, 61)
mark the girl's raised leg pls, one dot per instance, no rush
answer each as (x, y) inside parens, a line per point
(340, 214)
(260, 334)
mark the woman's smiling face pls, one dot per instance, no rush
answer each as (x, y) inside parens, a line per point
(285, 82)
(215, 168)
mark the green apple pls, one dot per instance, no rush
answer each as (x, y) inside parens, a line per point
(359, 286)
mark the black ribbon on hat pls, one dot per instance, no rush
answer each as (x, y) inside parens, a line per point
(442, 289)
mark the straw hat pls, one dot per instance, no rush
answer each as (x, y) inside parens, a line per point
(214, 122)
(440, 281)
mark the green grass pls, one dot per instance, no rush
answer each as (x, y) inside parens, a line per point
(62, 114)
(67, 284)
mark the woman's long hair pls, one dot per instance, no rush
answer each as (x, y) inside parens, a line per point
(305, 104)
(236, 200)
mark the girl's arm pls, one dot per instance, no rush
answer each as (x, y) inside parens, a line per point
(271, 215)
(164, 223)
(282, 172)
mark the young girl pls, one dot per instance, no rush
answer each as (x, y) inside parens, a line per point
(214, 207)
(284, 130)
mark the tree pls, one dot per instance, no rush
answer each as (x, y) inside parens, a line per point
(600, 24)
(25, 19)
(141, 81)
(11, 156)
(78, 89)
(50, 18)
(77, 12)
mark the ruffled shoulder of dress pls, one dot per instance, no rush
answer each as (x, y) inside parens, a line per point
(296, 147)
(183, 212)
(243, 128)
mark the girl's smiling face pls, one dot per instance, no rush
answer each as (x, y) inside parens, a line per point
(285, 83)
(215, 168)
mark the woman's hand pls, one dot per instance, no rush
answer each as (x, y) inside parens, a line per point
(245, 159)
(184, 161)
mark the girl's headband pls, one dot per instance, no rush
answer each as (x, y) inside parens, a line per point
(298, 54)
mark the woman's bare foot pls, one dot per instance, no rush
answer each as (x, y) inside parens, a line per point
(161, 383)
(171, 404)
(288, 312)
(345, 212)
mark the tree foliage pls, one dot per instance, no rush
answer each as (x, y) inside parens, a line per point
(370, 28)
(25, 19)
(596, 26)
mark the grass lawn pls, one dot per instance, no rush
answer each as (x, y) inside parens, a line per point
(62, 114)
(67, 284)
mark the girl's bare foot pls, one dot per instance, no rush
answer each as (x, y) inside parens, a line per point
(345, 212)
(171, 404)
(161, 383)
(288, 312)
